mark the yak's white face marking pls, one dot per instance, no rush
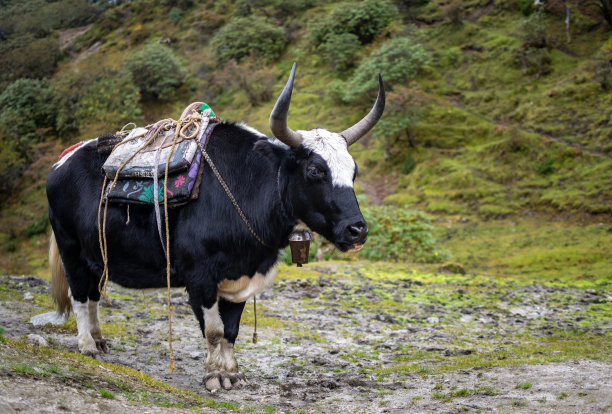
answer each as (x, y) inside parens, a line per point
(246, 287)
(71, 153)
(333, 149)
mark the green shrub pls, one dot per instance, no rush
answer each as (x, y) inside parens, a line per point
(28, 58)
(545, 167)
(340, 50)
(397, 233)
(109, 102)
(28, 111)
(533, 30)
(364, 19)
(156, 71)
(249, 36)
(524, 6)
(404, 108)
(408, 165)
(533, 61)
(255, 80)
(454, 12)
(278, 8)
(399, 60)
(27, 114)
(175, 15)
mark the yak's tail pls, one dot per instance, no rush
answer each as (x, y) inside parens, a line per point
(59, 283)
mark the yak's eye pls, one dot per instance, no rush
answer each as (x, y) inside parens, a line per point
(315, 173)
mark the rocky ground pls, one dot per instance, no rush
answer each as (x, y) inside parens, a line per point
(347, 338)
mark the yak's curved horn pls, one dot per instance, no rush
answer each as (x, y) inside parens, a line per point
(358, 130)
(278, 117)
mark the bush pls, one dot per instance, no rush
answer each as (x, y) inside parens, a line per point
(454, 12)
(534, 30)
(256, 81)
(339, 51)
(175, 15)
(278, 8)
(249, 36)
(28, 110)
(397, 233)
(533, 61)
(111, 101)
(403, 110)
(524, 6)
(399, 60)
(365, 20)
(156, 71)
(28, 58)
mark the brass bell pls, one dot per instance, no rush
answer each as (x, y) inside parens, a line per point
(299, 241)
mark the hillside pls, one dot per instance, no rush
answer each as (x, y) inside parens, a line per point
(495, 114)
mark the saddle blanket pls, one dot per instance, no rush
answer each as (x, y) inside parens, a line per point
(183, 185)
(148, 158)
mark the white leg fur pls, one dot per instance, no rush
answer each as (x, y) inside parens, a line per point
(94, 321)
(87, 345)
(220, 351)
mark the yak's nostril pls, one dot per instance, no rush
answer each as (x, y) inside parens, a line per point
(358, 230)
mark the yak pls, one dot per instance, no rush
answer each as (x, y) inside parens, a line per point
(296, 177)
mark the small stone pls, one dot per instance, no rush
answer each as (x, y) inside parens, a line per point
(466, 318)
(196, 355)
(38, 340)
(433, 319)
(28, 296)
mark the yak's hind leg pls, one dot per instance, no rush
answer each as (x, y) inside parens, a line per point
(221, 322)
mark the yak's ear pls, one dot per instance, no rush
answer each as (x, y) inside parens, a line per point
(268, 150)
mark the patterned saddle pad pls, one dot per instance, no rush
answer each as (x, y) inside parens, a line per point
(183, 185)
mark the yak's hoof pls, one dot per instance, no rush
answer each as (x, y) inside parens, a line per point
(215, 381)
(102, 346)
(90, 352)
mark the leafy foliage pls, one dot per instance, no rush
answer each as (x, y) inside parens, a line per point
(255, 80)
(156, 71)
(398, 233)
(365, 20)
(112, 100)
(404, 108)
(524, 6)
(278, 8)
(27, 113)
(27, 109)
(175, 15)
(249, 36)
(340, 50)
(454, 12)
(28, 58)
(399, 60)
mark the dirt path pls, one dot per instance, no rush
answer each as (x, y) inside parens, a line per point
(337, 340)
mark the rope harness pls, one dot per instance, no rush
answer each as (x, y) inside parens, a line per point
(197, 123)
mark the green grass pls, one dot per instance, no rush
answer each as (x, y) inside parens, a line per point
(42, 363)
(570, 250)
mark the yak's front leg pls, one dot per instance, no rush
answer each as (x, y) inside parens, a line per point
(221, 324)
(87, 344)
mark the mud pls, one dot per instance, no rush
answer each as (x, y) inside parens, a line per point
(333, 344)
